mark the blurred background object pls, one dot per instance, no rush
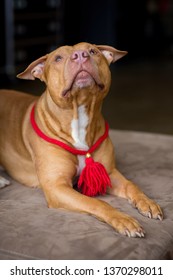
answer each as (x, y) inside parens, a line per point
(141, 94)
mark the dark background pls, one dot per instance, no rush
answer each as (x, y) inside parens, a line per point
(139, 26)
(141, 94)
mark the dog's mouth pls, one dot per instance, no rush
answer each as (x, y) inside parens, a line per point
(83, 79)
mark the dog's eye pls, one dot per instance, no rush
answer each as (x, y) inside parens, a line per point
(58, 58)
(93, 51)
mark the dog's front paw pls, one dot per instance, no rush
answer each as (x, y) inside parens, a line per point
(3, 182)
(147, 207)
(126, 225)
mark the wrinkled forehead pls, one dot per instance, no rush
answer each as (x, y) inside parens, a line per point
(70, 49)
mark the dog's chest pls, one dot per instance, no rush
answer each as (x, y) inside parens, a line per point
(78, 132)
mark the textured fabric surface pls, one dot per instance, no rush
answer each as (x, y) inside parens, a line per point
(29, 230)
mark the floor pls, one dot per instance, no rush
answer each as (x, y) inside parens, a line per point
(140, 98)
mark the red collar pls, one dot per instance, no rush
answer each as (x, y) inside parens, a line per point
(62, 144)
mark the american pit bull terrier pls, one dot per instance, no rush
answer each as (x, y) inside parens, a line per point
(39, 136)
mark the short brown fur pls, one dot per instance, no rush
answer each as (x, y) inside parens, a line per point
(34, 162)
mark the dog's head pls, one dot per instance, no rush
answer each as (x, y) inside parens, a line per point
(75, 71)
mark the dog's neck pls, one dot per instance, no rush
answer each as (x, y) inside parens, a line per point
(80, 125)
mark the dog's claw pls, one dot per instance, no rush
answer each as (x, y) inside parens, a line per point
(149, 215)
(127, 233)
(141, 235)
(160, 217)
(142, 232)
(3, 182)
(138, 234)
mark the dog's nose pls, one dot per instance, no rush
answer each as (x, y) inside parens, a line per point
(80, 56)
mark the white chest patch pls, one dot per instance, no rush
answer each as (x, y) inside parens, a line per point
(78, 132)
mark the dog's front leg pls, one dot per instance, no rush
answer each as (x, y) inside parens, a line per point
(60, 194)
(56, 170)
(126, 189)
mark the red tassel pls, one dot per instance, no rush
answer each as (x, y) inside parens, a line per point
(94, 178)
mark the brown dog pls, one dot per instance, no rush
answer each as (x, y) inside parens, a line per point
(77, 79)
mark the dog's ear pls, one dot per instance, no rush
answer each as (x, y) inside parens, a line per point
(34, 70)
(110, 53)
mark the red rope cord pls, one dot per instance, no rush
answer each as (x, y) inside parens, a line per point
(62, 144)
